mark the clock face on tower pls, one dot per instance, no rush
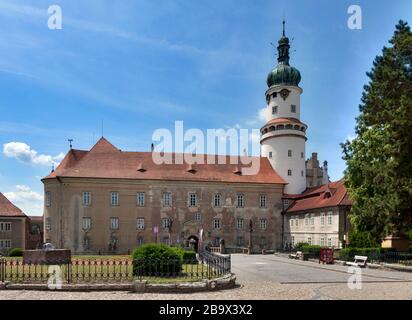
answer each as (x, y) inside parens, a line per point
(284, 93)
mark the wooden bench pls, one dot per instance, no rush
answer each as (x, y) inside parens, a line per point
(360, 261)
(297, 255)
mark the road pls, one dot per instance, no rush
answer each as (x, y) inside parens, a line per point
(268, 277)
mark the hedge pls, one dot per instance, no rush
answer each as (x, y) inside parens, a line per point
(15, 252)
(187, 256)
(348, 254)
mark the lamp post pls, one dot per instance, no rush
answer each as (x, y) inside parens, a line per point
(250, 235)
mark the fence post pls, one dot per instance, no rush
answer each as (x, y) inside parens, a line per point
(2, 271)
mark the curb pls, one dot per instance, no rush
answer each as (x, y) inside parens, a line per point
(226, 282)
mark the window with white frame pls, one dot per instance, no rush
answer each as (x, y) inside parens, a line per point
(240, 224)
(310, 241)
(140, 241)
(293, 108)
(290, 172)
(291, 221)
(322, 218)
(140, 223)
(312, 219)
(87, 198)
(5, 226)
(216, 224)
(197, 216)
(217, 200)
(167, 199)
(47, 224)
(114, 198)
(297, 221)
(166, 223)
(322, 242)
(292, 241)
(5, 244)
(87, 223)
(289, 153)
(114, 223)
(330, 218)
(329, 242)
(307, 219)
(270, 154)
(141, 199)
(263, 203)
(263, 224)
(240, 203)
(192, 199)
(47, 199)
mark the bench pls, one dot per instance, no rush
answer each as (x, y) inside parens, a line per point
(360, 261)
(297, 255)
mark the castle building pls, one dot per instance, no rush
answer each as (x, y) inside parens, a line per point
(105, 200)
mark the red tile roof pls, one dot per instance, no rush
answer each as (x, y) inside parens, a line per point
(329, 195)
(7, 209)
(106, 161)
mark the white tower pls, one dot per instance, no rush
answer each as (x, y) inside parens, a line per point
(283, 137)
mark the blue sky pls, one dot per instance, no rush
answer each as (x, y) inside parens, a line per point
(141, 65)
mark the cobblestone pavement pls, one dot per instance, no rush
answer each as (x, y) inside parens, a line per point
(267, 277)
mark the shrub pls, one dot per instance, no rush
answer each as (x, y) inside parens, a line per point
(312, 249)
(187, 256)
(348, 254)
(156, 260)
(15, 252)
(361, 239)
(299, 245)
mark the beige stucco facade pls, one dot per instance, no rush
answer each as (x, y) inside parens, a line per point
(64, 216)
(16, 237)
(309, 227)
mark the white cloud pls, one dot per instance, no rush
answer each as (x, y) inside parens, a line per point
(26, 154)
(29, 201)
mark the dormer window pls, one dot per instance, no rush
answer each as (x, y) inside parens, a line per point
(237, 171)
(140, 168)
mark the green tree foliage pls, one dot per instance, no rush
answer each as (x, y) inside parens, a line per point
(379, 159)
(362, 239)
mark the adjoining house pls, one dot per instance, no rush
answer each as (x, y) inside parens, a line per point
(318, 216)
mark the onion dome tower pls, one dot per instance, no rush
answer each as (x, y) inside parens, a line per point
(283, 137)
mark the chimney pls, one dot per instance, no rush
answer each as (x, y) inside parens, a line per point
(325, 179)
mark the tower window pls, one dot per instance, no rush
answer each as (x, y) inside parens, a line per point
(275, 110)
(270, 154)
(274, 94)
(301, 155)
(293, 108)
(301, 173)
(289, 172)
(289, 153)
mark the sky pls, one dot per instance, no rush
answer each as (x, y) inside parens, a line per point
(131, 67)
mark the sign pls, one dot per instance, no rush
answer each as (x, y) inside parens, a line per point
(156, 229)
(326, 256)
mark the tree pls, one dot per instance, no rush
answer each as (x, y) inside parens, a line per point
(379, 159)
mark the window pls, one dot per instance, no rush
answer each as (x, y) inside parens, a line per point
(330, 218)
(114, 198)
(263, 203)
(140, 223)
(312, 219)
(322, 242)
(274, 109)
(192, 199)
(114, 223)
(302, 173)
(240, 224)
(216, 241)
(87, 223)
(113, 244)
(292, 241)
(301, 155)
(322, 218)
(47, 199)
(167, 199)
(5, 244)
(329, 242)
(270, 154)
(216, 223)
(263, 224)
(87, 198)
(239, 241)
(274, 94)
(289, 172)
(310, 241)
(166, 223)
(289, 153)
(291, 221)
(217, 200)
(240, 201)
(48, 224)
(140, 199)
(293, 108)
(5, 226)
(198, 216)
(306, 219)
(297, 221)
(140, 241)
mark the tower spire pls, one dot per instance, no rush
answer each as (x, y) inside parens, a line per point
(284, 22)
(283, 47)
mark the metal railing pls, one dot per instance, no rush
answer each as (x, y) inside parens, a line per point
(205, 266)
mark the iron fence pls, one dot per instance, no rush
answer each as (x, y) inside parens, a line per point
(377, 256)
(206, 266)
